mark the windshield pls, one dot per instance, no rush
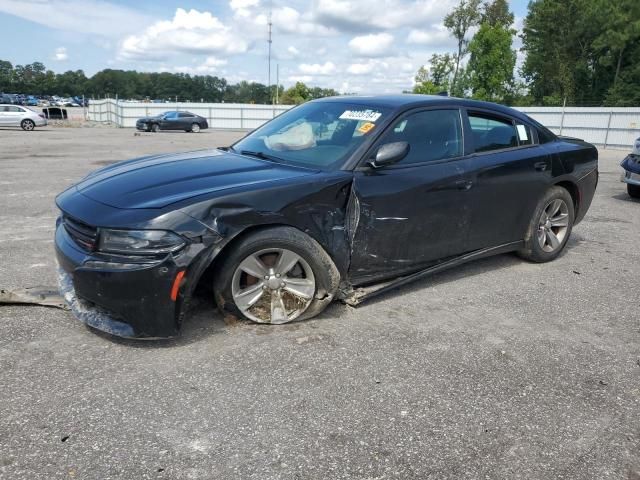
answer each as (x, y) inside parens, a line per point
(316, 135)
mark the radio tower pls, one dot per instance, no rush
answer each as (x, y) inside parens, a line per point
(269, 66)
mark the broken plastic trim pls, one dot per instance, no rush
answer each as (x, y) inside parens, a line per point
(42, 296)
(360, 295)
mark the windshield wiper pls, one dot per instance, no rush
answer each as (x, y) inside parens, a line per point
(261, 155)
(227, 149)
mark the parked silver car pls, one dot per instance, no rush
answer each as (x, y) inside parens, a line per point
(18, 116)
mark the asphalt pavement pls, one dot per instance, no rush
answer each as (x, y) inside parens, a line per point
(500, 369)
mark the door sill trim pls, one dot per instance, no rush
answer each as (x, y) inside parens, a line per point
(362, 294)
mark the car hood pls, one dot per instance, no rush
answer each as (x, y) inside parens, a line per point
(157, 181)
(146, 119)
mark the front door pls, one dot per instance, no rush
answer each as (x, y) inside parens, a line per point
(412, 213)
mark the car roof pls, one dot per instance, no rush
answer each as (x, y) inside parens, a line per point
(412, 100)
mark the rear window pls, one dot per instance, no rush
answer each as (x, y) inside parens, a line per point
(492, 133)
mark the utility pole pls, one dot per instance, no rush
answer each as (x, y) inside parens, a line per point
(277, 82)
(269, 66)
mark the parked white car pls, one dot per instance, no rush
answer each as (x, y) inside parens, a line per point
(18, 116)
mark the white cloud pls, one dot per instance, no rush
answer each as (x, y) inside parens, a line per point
(60, 54)
(300, 78)
(243, 8)
(293, 51)
(353, 16)
(373, 45)
(289, 20)
(187, 32)
(318, 69)
(95, 17)
(436, 35)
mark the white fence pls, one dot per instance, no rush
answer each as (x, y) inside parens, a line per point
(230, 116)
(602, 126)
(612, 127)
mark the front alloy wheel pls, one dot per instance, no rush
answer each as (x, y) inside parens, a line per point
(273, 286)
(275, 275)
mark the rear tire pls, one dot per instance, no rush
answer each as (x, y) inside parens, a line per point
(294, 277)
(155, 128)
(195, 128)
(550, 226)
(633, 190)
(27, 125)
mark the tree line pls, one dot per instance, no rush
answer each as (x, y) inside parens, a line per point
(36, 79)
(576, 52)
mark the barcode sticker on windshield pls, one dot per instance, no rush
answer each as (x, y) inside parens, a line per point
(522, 133)
(368, 115)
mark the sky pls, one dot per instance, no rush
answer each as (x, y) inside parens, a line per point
(351, 46)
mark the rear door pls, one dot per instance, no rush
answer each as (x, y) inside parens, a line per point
(414, 212)
(507, 174)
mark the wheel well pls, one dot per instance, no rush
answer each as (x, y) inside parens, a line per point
(206, 279)
(572, 188)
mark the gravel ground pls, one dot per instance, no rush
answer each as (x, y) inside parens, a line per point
(499, 369)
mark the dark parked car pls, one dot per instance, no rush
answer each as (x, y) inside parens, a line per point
(631, 175)
(326, 201)
(187, 121)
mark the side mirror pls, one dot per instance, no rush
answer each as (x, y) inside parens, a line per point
(390, 153)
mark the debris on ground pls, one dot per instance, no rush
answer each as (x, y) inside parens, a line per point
(43, 296)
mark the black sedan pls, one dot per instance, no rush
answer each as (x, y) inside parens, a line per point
(187, 121)
(337, 198)
(631, 175)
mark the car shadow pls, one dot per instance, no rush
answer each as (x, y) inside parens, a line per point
(474, 267)
(203, 320)
(626, 198)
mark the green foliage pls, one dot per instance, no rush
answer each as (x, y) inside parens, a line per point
(491, 63)
(300, 93)
(464, 16)
(584, 51)
(438, 79)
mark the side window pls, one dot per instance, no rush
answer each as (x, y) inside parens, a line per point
(186, 115)
(491, 133)
(15, 109)
(432, 135)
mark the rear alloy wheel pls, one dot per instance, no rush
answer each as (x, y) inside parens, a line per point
(275, 276)
(27, 125)
(155, 128)
(550, 227)
(195, 128)
(633, 190)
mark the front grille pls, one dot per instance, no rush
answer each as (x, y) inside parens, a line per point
(84, 235)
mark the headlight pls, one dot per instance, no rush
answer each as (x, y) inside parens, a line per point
(141, 242)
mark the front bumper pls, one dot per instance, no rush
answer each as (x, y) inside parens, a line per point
(631, 178)
(131, 300)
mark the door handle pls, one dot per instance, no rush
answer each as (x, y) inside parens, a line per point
(464, 184)
(540, 166)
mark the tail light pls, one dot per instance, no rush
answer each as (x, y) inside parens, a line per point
(41, 115)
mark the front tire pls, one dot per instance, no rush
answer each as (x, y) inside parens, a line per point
(633, 190)
(550, 226)
(275, 276)
(155, 128)
(27, 125)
